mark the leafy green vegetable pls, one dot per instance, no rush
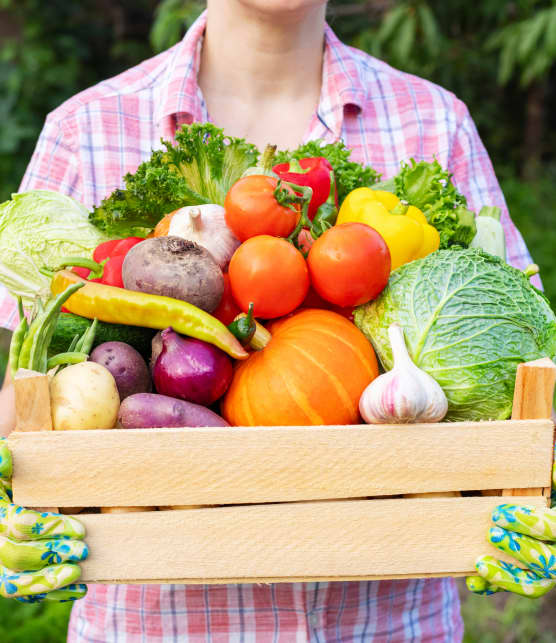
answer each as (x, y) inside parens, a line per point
(469, 319)
(349, 175)
(200, 168)
(37, 229)
(428, 187)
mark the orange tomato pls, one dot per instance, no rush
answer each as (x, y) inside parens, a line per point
(271, 273)
(349, 264)
(252, 209)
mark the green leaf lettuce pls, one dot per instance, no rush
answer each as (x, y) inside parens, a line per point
(37, 229)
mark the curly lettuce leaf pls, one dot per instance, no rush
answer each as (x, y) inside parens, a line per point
(469, 319)
(349, 175)
(200, 168)
(429, 187)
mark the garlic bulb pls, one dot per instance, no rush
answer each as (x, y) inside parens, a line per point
(206, 225)
(404, 394)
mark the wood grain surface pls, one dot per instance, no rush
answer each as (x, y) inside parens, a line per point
(32, 401)
(533, 399)
(292, 541)
(205, 466)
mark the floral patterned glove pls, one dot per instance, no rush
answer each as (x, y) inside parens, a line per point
(39, 552)
(529, 535)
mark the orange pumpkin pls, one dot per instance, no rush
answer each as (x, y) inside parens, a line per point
(313, 371)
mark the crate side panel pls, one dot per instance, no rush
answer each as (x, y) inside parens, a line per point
(340, 539)
(165, 467)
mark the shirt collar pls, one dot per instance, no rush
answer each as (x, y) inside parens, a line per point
(181, 100)
(342, 84)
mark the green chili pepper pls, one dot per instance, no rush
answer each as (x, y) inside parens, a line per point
(244, 327)
(17, 338)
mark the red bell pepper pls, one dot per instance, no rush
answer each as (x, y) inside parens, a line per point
(314, 172)
(112, 253)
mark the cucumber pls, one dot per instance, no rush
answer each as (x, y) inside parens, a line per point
(69, 325)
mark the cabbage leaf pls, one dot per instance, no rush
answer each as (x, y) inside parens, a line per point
(37, 229)
(469, 319)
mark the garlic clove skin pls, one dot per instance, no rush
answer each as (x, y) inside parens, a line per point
(206, 225)
(404, 394)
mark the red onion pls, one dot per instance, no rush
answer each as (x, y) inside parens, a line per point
(191, 369)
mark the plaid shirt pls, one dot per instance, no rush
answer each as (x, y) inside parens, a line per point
(385, 116)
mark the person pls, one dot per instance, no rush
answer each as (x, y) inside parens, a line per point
(268, 71)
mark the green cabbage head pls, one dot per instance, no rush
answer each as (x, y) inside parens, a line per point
(469, 319)
(37, 229)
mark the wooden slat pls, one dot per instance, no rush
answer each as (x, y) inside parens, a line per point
(32, 408)
(300, 541)
(164, 467)
(32, 401)
(533, 399)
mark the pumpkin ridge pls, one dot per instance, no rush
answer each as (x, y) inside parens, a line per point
(299, 398)
(363, 358)
(339, 387)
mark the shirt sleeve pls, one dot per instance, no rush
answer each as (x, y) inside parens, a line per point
(53, 166)
(474, 177)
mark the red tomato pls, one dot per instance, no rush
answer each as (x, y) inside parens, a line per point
(227, 309)
(252, 210)
(112, 274)
(271, 273)
(349, 264)
(305, 241)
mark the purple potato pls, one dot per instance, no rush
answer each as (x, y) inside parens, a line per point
(150, 410)
(127, 366)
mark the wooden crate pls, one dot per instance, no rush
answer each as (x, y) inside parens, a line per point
(295, 503)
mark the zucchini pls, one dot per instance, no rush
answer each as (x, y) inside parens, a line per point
(69, 325)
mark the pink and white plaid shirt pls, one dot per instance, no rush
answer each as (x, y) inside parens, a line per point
(385, 116)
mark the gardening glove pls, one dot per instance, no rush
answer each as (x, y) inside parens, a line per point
(39, 552)
(529, 535)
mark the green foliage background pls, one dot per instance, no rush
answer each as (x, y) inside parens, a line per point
(497, 55)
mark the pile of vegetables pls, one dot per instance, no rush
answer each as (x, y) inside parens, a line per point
(221, 287)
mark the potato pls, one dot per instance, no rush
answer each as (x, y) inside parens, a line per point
(126, 365)
(174, 267)
(84, 396)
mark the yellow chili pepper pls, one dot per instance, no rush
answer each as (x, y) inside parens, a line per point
(404, 228)
(120, 306)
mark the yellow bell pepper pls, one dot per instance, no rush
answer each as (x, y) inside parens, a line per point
(404, 228)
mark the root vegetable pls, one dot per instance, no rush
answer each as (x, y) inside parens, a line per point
(84, 396)
(149, 410)
(126, 365)
(174, 267)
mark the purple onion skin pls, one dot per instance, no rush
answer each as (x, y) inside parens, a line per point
(149, 410)
(191, 369)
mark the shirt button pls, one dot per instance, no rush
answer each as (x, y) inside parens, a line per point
(313, 620)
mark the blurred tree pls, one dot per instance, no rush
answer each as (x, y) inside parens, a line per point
(172, 19)
(527, 46)
(51, 50)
